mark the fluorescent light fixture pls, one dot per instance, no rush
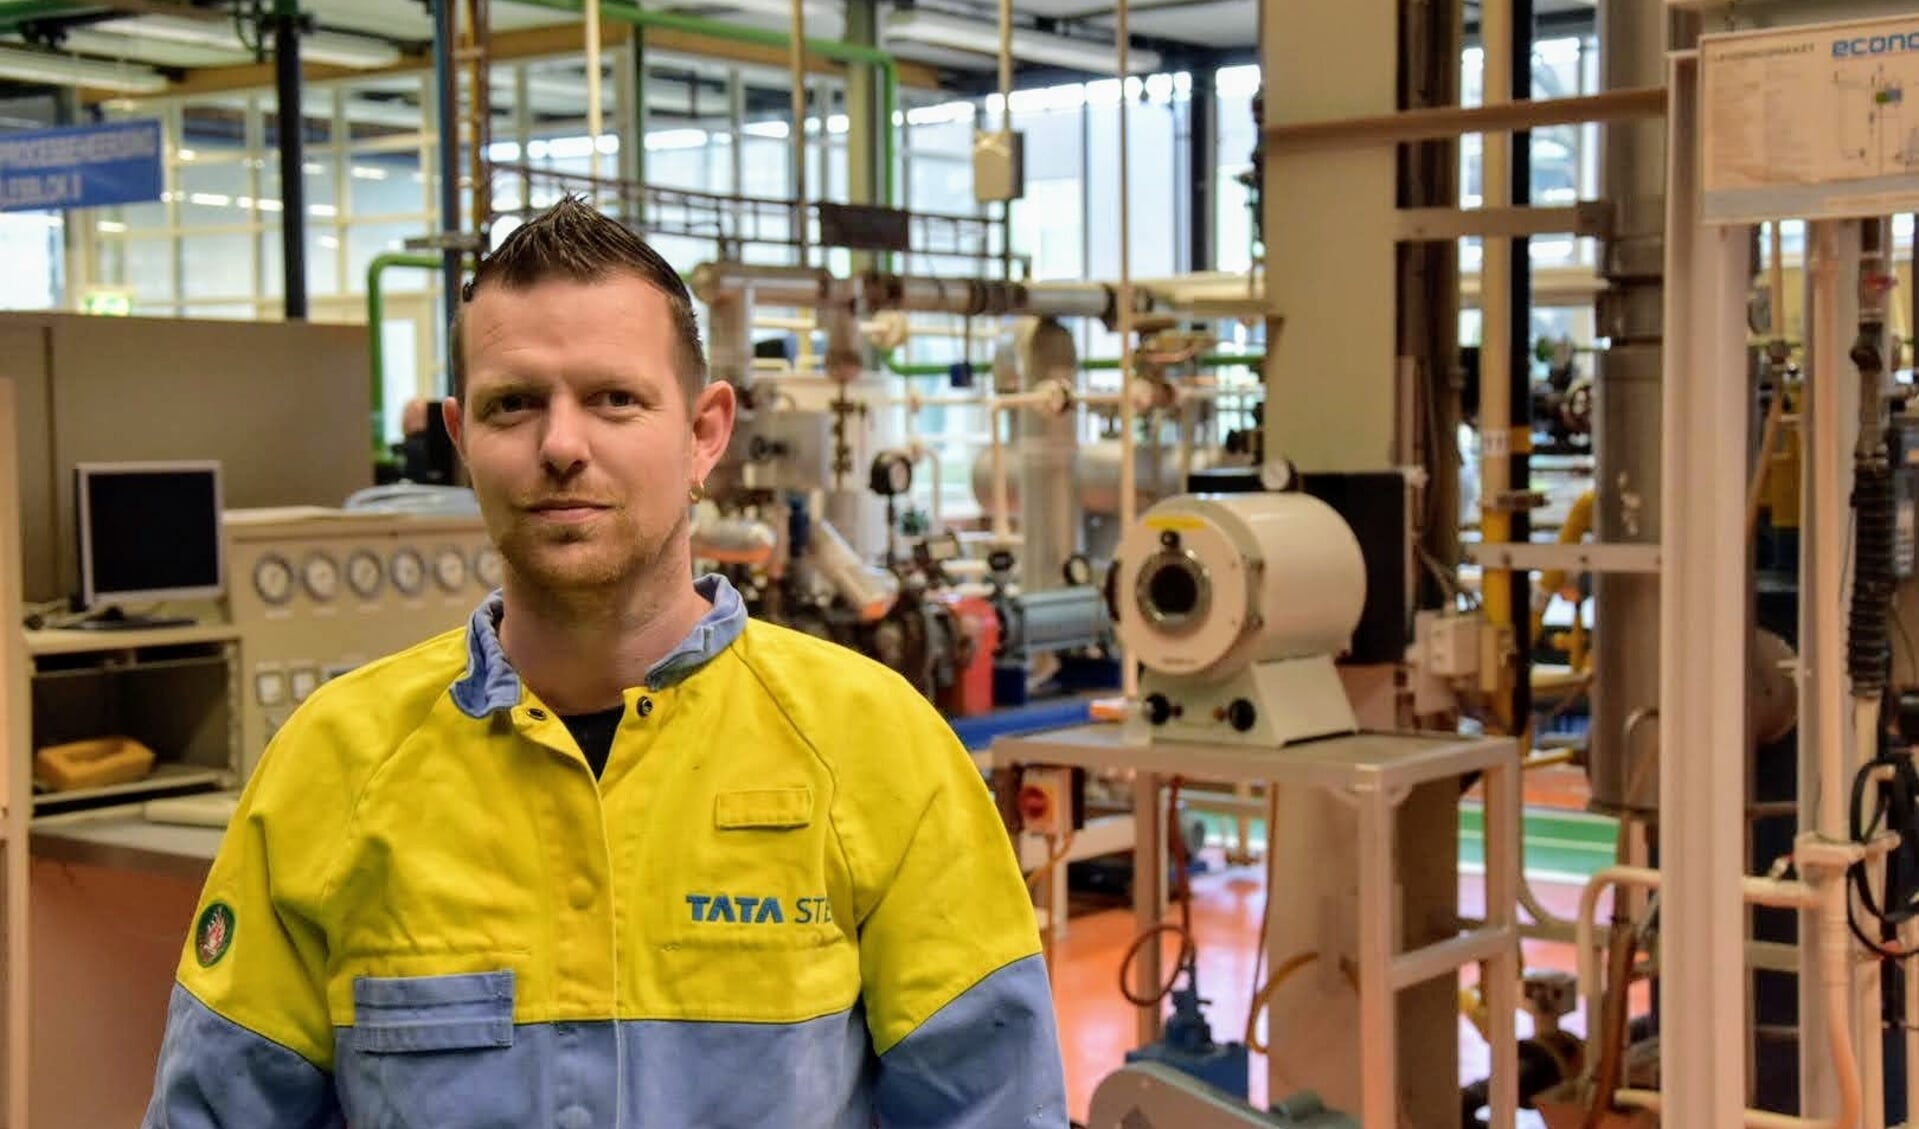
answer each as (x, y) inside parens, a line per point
(66, 70)
(319, 47)
(1030, 46)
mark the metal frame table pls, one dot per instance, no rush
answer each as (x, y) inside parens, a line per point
(1374, 772)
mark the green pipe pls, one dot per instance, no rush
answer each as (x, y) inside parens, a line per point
(375, 323)
(837, 50)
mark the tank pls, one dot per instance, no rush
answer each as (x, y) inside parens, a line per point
(1095, 475)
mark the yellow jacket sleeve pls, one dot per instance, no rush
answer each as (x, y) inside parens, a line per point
(957, 997)
(249, 1040)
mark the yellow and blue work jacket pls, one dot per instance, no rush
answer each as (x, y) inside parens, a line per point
(788, 902)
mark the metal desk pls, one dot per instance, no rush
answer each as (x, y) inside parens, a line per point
(121, 838)
(1373, 772)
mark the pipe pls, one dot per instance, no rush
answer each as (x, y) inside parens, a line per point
(1829, 893)
(1129, 669)
(376, 340)
(1100, 364)
(593, 121)
(1824, 649)
(796, 60)
(292, 139)
(839, 51)
(448, 154)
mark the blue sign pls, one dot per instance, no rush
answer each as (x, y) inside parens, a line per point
(84, 167)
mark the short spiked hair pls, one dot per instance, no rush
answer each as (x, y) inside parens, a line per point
(574, 242)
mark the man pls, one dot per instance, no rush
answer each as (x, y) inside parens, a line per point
(612, 855)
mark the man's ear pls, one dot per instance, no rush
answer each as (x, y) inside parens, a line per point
(451, 415)
(713, 414)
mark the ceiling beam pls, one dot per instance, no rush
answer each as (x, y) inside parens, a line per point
(512, 46)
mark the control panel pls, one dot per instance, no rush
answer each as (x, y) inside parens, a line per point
(317, 593)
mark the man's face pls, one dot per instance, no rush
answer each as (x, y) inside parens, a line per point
(576, 432)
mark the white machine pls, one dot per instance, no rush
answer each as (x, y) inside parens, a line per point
(1237, 605)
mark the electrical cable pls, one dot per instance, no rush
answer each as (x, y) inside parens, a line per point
(1182, 929)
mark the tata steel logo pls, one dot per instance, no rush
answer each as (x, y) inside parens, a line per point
(744, 910)
(1875, 45)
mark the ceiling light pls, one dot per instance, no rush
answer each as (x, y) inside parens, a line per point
(67, 70)
(319, 46)
(1029, 46)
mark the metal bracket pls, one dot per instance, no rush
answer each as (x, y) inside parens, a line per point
(1590, 556)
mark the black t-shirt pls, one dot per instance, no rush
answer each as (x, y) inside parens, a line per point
(594, 734)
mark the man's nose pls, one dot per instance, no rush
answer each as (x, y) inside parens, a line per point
(564, 446)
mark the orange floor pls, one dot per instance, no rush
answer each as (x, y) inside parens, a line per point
(1097, 1024)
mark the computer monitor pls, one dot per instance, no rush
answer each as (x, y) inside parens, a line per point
(148, 531)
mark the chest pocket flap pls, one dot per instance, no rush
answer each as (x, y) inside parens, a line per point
(413, 1014)
(763, 808)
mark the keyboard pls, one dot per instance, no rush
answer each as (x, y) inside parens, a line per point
(209, 809)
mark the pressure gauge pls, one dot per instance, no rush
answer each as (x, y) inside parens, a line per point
(490, 567)
(449, 568)
(1077, 571)
(273, 579)
(364, 574)
(408, 571)
(320, 576)
(892, 474)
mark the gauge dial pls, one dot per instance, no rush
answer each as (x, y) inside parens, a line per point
(409, 572)
(490, 567)
(273, 579)
(321, 576)
(364, 574)
(449, 568)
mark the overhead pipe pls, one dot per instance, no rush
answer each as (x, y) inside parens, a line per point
(837, 50)
(873, 290)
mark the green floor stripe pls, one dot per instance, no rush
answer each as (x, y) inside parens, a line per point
(1557, 842)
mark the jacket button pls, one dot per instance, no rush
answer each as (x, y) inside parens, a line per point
(645, 706)
(575, 1117)
(579, 893)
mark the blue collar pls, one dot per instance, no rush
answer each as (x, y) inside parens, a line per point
(490, 682)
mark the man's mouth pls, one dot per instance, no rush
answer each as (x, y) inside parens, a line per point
(567, 509)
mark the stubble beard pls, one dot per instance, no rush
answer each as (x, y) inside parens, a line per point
(580, 574)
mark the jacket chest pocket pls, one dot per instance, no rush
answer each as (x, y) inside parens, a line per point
(439, 1051)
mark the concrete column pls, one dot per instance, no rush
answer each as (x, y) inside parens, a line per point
(1332, 387)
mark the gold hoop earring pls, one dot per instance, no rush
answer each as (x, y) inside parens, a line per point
(696, 493)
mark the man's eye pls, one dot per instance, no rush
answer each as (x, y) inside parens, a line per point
(511, 403)
(616, 398)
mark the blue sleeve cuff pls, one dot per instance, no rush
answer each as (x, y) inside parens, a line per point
(214, 1073)
(988, 1060)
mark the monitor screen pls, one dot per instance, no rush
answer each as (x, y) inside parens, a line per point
(149, 531)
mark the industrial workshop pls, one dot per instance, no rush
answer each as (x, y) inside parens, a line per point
(952, 564)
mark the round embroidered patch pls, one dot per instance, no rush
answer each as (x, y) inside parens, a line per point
(213, 934)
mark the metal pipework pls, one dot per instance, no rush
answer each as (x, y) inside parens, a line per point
(874, 290)
(1628, 407)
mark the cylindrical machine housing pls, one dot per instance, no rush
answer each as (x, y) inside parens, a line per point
(1095, 475)
(869, 591)
(1207, 584)
(735, 541)
(1055, 620)
(1627, 414)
